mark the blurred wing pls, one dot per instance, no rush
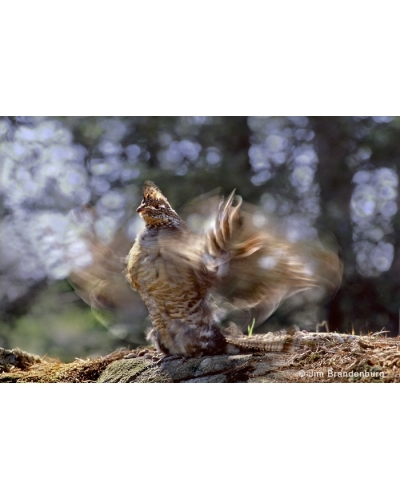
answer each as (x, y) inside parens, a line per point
(102, 283)
(257, 267)
(185, 259)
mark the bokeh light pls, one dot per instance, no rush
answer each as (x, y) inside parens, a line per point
(340, 174)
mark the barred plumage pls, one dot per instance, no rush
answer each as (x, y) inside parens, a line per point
(175, 272)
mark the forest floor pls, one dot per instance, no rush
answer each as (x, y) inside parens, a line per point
(328, 357)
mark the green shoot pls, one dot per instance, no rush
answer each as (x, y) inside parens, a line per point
(250, 327)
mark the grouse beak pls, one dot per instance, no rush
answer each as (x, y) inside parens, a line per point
(141, 208)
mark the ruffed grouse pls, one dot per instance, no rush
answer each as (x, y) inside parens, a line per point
(179, 274)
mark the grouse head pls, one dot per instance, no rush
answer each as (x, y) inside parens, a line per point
(155, 209)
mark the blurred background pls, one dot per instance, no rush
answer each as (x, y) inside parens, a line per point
(335, 173)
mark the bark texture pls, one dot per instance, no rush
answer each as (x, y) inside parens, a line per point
(320, 357)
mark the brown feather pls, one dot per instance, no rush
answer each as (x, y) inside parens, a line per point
(175, 271)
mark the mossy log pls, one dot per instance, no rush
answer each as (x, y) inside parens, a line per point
(320, 358)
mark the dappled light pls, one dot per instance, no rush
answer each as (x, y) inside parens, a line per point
(281, 146)
(373, 205)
